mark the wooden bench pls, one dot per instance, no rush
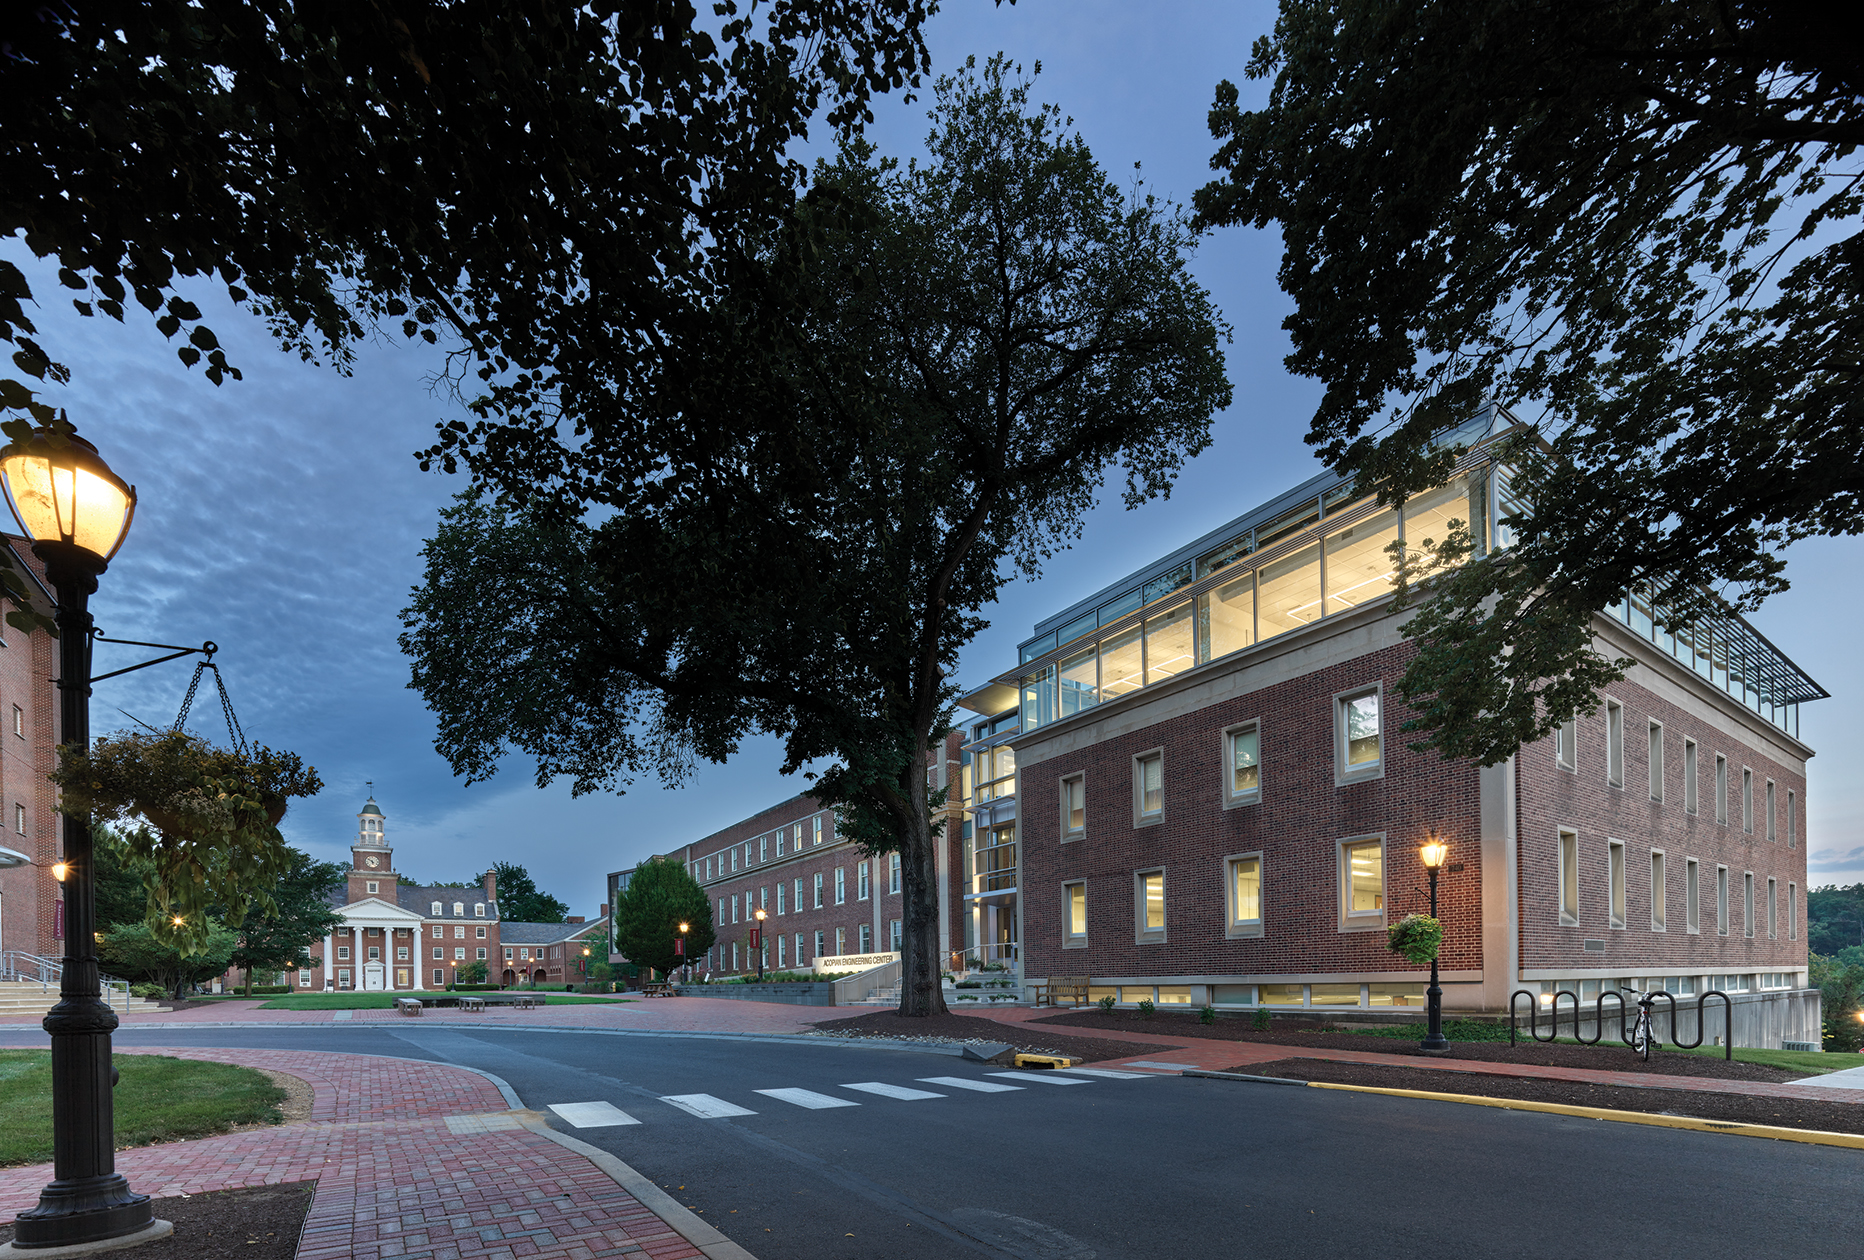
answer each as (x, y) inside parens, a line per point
(657, 988)
(410, 1006)
(1055, 987)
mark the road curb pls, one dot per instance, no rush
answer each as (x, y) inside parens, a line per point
(1240, 1076)
(1811, 1137)
(683, 1222)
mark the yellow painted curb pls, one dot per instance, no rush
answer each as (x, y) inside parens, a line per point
(1814, 1137)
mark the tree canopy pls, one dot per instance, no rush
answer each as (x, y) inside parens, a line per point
(804, 523)
(1637, 221)
(659, 897)
(545, 190)
(520, 900)
(278, 938)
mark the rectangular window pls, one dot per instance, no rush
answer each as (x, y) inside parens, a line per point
(818, 891)
(343, 953)
(1689, 776)
(841, 940)
(1615, 744)
(798, 902)
(1149, 905)
(19, 819)
(1773, 909)
(1569, 876)
(860, 883)
(1659, 893)
(1074, 896)
(1792, 912)
(1616, 866)
(1773, 834)
(1566, 744)
(304, 977)
(1074, 807)
(1358, 739)
(841, 885)
(401, 953)
(779, 898)
(19, 722)
(816, 823)
(763, 848)
(1747, 904)
(1362, 883)
(734, 859)
(1148, 788)
(867, 939)
(734, 955)
(440, 976)
(439, 952)
(479, 953)
(893, 932)
(1792, 819)
(781, 834)
(734, 907)
(372, 887)
(1242, 754)
(1692, 895)
(1747, 800)
(1245, 895)
(818, 947)
(1656, 761)
(782, 941)
(1721, 789)
(893, 873)
(763, 897)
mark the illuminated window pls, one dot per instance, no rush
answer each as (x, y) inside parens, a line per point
(1362, 883)
(1149, 906)
(1074, 896)
(1569, 876)
(1148, 788)
(1244, 894)
(1359, 742)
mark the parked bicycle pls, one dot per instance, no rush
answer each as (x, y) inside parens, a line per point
(1643, 1029)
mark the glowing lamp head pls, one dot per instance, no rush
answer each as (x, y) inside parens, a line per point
(685, 927)
(60, 870)
(760, 916)
(1433, 852)
(61, 490)
(179, 920)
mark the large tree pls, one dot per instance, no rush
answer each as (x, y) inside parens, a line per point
(520, 900)
(302, 911)
(659, 897)
(548, 190)
(1639, 219)
(797, 530)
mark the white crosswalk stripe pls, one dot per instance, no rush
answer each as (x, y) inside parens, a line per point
(1112, 1074)
(705, 1106)
(1047, 1078)
(806, 1098)
(893, 1091)
(593, 1115)
(966, 1082)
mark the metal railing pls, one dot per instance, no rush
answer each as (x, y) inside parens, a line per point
(21, 967)
(975, 957)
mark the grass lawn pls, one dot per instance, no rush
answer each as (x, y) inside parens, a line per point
(384, 1001)
(158, 1099)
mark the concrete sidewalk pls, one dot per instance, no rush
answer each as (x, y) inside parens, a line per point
(1215, 1056)
(420, 1161)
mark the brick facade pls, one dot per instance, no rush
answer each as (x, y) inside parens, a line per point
(28, 753)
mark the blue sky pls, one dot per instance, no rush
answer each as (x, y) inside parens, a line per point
(282, 516)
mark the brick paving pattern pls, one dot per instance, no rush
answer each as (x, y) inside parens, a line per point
(393, 1179)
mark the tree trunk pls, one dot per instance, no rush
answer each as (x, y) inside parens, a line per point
(920, 964)
(249, 982)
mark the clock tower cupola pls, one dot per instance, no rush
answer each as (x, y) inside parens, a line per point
(372, 861)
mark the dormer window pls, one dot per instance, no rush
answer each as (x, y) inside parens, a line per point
(436, 909)
(459, 908)
(478, 909)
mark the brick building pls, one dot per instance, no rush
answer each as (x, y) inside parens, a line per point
(552, 953)
(29, 896)
(1194, 788)
(824, 899)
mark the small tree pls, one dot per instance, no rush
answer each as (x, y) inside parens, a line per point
(133, 950)
(471, 973)
(1841, 997)
(648, 913)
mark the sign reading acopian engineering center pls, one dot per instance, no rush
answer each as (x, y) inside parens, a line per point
(854, 962)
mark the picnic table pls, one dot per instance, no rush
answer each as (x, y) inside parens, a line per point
(657, 988)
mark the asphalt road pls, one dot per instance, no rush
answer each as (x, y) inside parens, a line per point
(1162, 1167)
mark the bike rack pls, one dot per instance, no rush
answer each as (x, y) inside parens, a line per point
(1533, 1015)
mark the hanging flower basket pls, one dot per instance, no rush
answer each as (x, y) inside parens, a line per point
(205, 818)
(1416, 936)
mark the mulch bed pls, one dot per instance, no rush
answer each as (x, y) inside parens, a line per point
(894, 1026)
(260, 1223)
(1603, 1057)
(1789, 1113)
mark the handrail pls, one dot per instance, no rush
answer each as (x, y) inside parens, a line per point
(48, 972)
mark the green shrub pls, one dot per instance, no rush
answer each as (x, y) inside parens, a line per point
(1208, 1015)
(1106, 1004)
(1260, 1020)
(145, 990)
(969, 984)
(271, 988)
(1416, 936)
(1145, 1010)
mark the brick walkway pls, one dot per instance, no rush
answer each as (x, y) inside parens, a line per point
(411, 1159)
(1217, 1056)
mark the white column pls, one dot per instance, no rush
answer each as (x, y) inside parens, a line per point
(414, 958)
(330, 960)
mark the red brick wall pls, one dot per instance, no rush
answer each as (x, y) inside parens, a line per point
(1582, 799)
(1296, 826)
(28, 894)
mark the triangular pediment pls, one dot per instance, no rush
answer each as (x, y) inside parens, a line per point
(375, 912)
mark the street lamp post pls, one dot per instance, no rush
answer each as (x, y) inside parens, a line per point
(76, 511)
(1434, 852)
(757, 943)
(679, 949)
